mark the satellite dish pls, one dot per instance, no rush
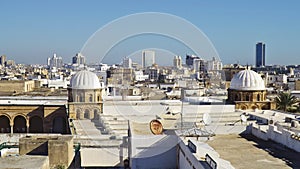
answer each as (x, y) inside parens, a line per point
(156, 127)
(243, 118)
(206, 119)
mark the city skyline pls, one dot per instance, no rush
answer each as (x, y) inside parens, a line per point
(33, 31)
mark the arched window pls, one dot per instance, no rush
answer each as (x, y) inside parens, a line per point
(81, 97)
(90, 98)
(247, 97)
(4, 124)
(59, 125)
(78, 112)
(236, 97)
(36, 125)
(96, 113)
(87, 114)
(19, 124)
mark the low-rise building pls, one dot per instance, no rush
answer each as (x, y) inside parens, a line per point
(16, 86)
(297, 85)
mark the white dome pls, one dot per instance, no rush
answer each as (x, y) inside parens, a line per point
(85, 80)
(247, 80)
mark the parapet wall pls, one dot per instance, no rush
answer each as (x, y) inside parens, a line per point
(276, 134)
(59, 149)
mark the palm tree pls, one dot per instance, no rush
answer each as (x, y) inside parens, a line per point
(285, 101)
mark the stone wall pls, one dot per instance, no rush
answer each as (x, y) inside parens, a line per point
(46, 114)
(59, 149)
(17, 86)
(297, 85)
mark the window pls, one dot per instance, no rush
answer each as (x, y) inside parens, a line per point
(236, 97)
(80, 98)
(91, 98)
(258, 97)
(247, 97)
(87, 114)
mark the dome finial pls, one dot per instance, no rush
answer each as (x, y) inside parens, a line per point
(248, 67)
(85, 67)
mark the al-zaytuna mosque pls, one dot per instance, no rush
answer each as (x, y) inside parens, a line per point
(247, 91)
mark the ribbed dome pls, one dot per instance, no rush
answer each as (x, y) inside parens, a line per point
(85, 80)
(247, 80)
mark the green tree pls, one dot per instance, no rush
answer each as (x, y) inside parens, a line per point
(285, 101)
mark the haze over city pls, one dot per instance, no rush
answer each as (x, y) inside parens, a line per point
(149, 84)
(31, 31)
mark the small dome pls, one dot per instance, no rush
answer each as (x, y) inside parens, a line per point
(247, 80)
(85, 80)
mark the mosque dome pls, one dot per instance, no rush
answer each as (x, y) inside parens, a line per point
(247, 80)
(85, 80)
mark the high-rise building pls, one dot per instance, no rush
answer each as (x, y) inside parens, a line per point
(55, 62)
(260, 54)
(78, 59)
(48, 62)
(148, 58)
(177, 62)
(127, 62)
(199, 65)
(3, 60)
(189, 60)
(214, 64)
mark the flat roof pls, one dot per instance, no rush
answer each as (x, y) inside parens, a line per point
(26, 161)
(24, 97)
(247, 151)
(32, 102)
(104, 157)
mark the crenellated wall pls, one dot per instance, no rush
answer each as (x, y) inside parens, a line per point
(282, 136)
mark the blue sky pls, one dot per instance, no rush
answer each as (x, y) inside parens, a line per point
(31, 31)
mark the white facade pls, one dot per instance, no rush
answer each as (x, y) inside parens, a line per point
(214, 65)
(273, 79)
(177, 62)
(148, 58)
(104, 67)
(276, 134)
(127, 62)
(198, 65)
(139, 76)
(55, 61)
(58, 83)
